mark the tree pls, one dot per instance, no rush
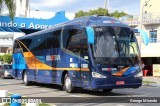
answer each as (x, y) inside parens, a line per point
(7, 58)
(117, 14)
(1, 58)
(10, 4)
(100, 11)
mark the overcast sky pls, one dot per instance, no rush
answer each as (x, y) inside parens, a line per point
(72, 6)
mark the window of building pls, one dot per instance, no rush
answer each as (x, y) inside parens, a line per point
(153, 36)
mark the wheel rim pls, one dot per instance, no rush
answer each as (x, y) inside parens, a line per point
(25, 78)
(68, 83)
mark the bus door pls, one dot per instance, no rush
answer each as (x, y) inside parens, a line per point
(36, 59)
(75, 46)
(84, 54)
(54, 42)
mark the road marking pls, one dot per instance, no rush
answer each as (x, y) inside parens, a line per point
(75, 95)
(24, 87)
(45, 90)
(135, 92)
(6, 83)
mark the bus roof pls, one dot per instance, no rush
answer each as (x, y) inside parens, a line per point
(85, 21)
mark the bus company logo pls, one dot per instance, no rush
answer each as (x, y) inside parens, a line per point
(99, 30)
(109, 69)
(53, 57)
(111, 22)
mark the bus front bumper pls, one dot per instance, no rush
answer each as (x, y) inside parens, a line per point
(113, 83)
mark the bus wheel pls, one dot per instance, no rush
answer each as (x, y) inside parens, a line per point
(107, 90)
(25, 79)
(68, 84)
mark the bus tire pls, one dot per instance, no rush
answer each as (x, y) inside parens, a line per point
(25, 79)
(68, 84)
(107, 90)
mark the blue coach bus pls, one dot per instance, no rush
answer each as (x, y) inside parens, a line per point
(93, 52)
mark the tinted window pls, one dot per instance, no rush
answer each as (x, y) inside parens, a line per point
(115, 45)
(16, 47)
(27, 43)
(47, 40)
(75, 40)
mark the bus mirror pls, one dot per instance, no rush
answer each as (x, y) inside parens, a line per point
(90, 35)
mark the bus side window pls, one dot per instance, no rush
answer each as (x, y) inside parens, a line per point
(54, 39)
(27, 43)
(47, 40)
(77, 42)
(16, 48)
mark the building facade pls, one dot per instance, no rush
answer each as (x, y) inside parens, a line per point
(21, 26)
(149, 21)
(25, 22)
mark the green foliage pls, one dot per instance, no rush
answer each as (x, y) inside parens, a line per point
(117, 14)
(10, 4)
(7, 58)
(100, 11)
(1, 58)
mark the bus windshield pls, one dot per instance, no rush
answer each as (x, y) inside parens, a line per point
(115, 45)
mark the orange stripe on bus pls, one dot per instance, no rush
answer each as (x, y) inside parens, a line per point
(34, 63)
(119, 73)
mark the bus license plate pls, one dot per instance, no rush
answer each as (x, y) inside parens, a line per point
(119, 82)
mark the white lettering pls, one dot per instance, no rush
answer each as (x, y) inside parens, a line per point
(23, 25)
(149, 100)
(135, 101)
(31, 25)
(57, 57)
(46, 26)
(37, 26)
(15, 24)
(42, 27)
(49, 26)
(4, 24)
(99, 29)
(106, 21)
(9, 24)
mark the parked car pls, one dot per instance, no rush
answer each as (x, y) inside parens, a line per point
(6, 71)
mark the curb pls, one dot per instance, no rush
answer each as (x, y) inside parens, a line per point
(152, 85)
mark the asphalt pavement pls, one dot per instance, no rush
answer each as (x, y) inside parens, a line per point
(44, 90)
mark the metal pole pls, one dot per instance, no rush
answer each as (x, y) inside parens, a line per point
(59, 6)
(108, 5)
(105, 4)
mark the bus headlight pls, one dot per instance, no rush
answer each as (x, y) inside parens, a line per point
(98, 75)
(140, 74)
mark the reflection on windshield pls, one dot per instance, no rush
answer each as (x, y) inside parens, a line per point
(115, 45)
